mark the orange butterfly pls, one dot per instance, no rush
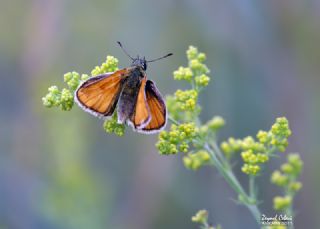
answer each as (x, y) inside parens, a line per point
(138, 101)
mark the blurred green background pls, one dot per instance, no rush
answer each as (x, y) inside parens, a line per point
(60, 170)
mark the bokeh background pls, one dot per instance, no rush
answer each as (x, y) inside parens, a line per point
(60, 170)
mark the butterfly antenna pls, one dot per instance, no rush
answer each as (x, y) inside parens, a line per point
(123, 49)
(169, 54)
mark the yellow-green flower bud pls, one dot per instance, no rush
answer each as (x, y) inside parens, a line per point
(66, 100)
(204, 155)
(280, 132)
(187, 162)
(52, 98)
(187, 100)
(184, 147)
(295, 186)
(216, 123)
(166, 148)
(201, 57)
(287, 168)
(202, 80)
(112, 126)
(174, 136)
(281, 203)
(196, 160)
(226, 147)
(249, 157)
(119, 130)
(183, 74)
(279, 179)
(84, 77)
(192, 52)
(262, 158)
(200, 217)
(251, 169)
(296, 162)
(72, 79)
(110, 65)
(263, 136)
(195, 64)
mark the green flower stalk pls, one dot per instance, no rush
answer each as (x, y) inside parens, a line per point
(287, 179)
(200, 147)
(197, 140)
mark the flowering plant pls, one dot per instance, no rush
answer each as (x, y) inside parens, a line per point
(197, 141)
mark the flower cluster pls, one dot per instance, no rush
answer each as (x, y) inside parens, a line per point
(186, 100)
(196, 60)
(230, 146)
(277, 136)
(195, 160)
(73, 79)
(183, 105)
(177, 139)
(252, 161)
(286, 178)
(110, 65)
(280, 132)
(253, 153)
(183, 74)
(257, 152)
(65, 98)
(112, 126)
(57, 98)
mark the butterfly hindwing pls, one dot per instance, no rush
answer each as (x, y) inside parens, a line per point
(157, 109)
(141, 116)
(99, 95)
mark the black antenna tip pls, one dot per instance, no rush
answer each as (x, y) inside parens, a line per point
(119, 43)
(170, 54)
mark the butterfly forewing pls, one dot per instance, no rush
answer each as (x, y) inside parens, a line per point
(99, 95)
(157, 108)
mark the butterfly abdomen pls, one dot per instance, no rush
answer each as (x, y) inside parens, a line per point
(128, 98)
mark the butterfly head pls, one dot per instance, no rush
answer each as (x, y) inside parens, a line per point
(141, 62)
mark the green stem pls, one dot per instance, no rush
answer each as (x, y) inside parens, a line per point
(206, 225)
(173, 120)
(289, 210)
(225, 173)
(252, 193)
(220, 155)
(234, 183)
